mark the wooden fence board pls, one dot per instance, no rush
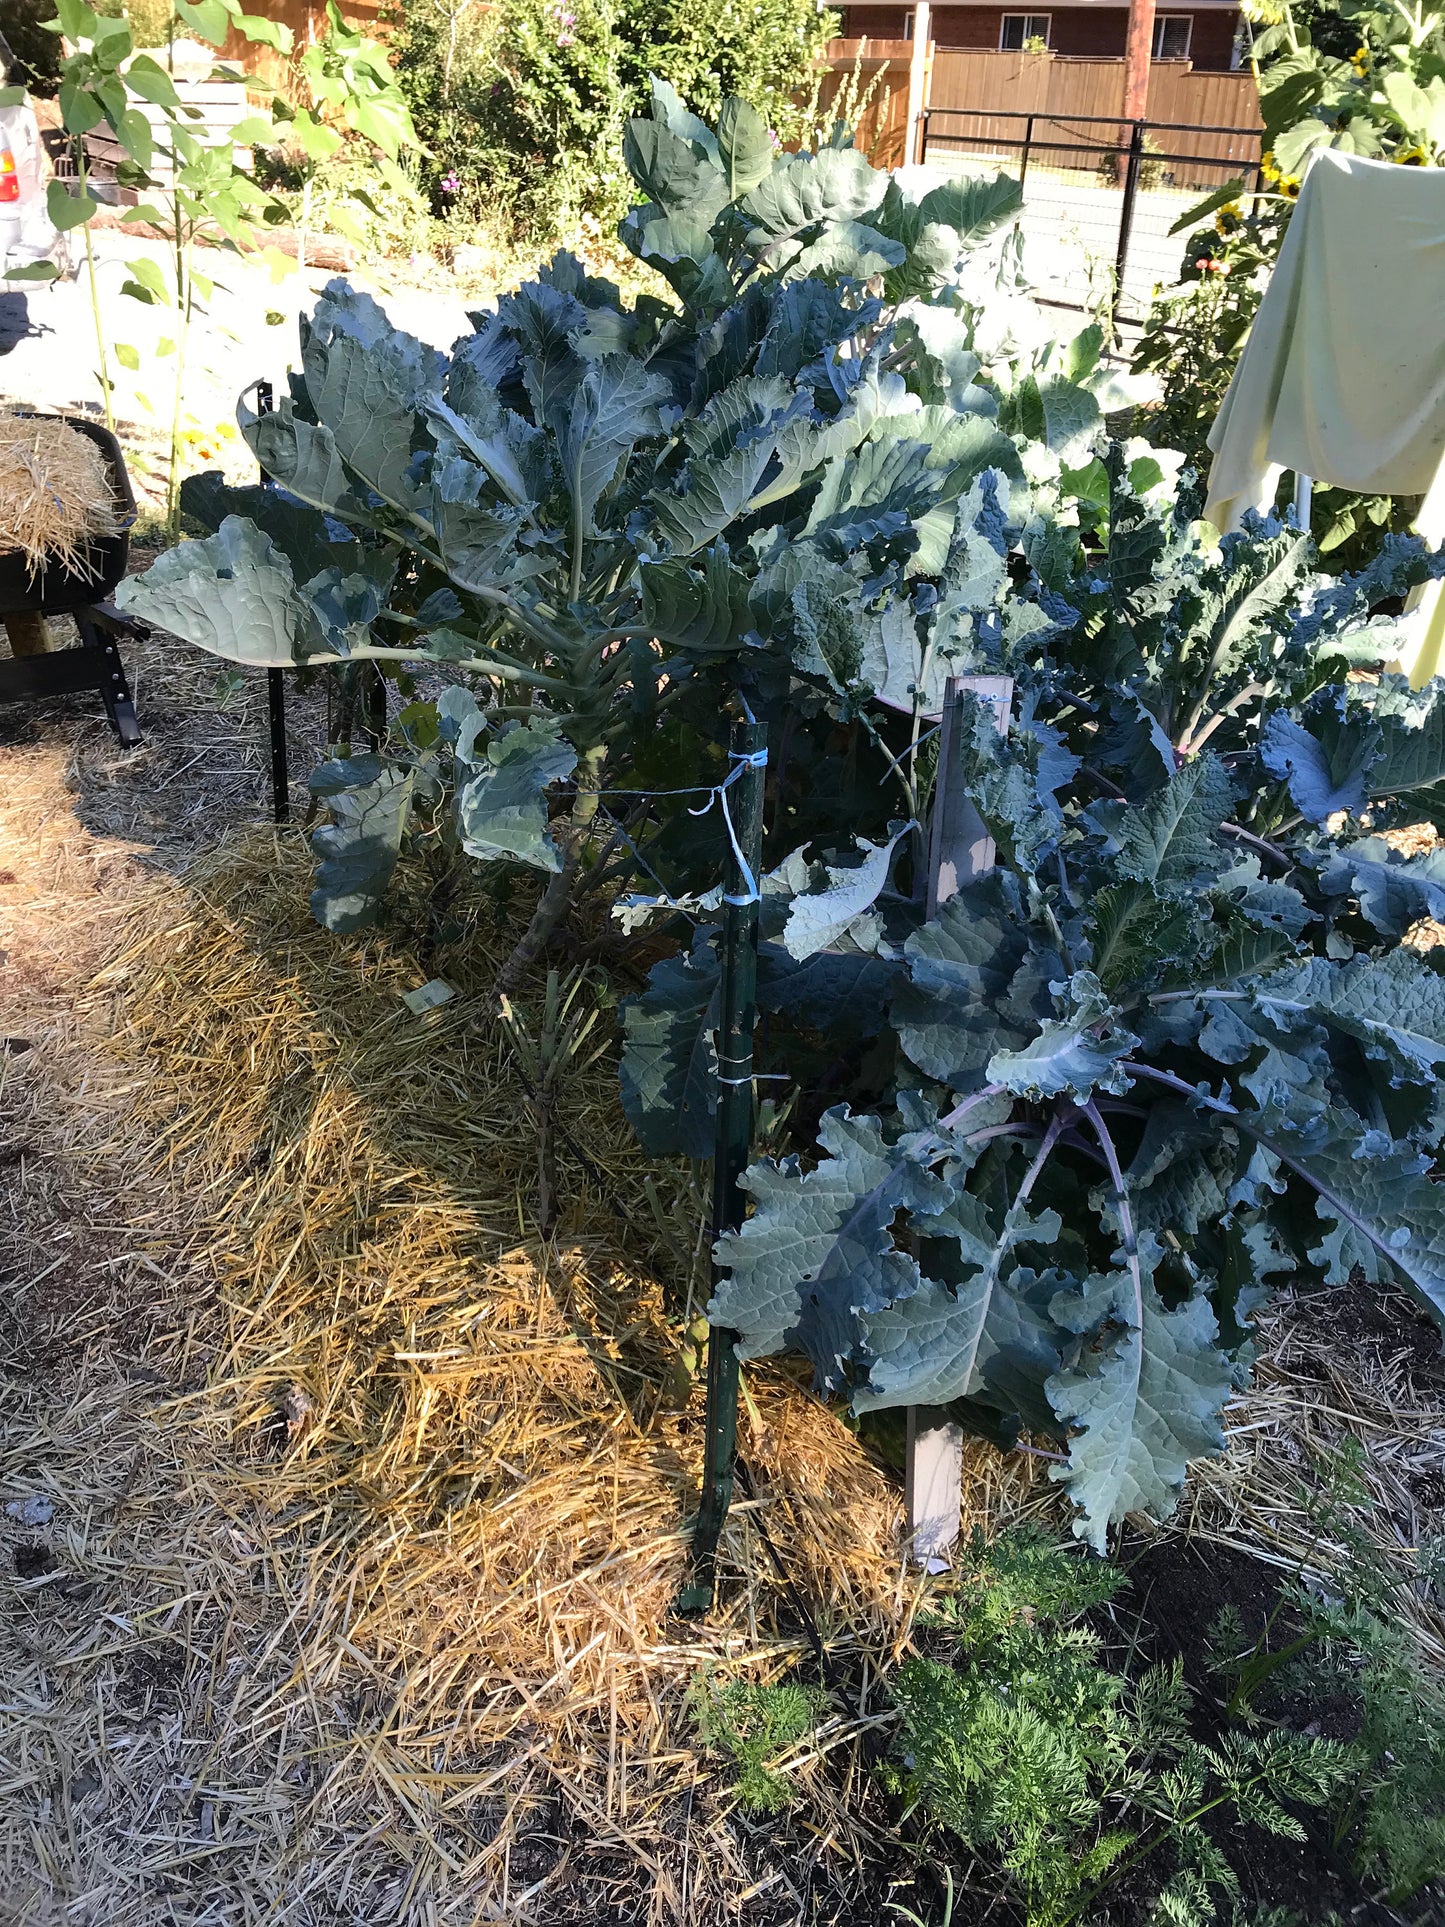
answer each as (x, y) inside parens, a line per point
(1057, 90)
(264, 67)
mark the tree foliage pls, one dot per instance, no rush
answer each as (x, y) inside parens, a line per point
(523, 107)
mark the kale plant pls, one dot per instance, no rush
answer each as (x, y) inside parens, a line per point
(602, 520)
(1173, 1046)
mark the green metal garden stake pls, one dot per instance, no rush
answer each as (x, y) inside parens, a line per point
(742, 802)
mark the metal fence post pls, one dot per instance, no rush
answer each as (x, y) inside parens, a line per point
(280, 774)
(1126, 212)
(275, 679)
(1028, 143)
(737, 1015)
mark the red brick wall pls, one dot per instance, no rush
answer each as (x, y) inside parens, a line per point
(1212, 43)
(1096, 34)
(968, 26)
(872, 23)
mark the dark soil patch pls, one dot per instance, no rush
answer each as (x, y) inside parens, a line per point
(33, 1559)
(1364, 1319)
(1177, 1589)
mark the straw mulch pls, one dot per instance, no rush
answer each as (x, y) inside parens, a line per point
(340, 1516)
(55, 491)
(357, 1599)
(1349, 1362)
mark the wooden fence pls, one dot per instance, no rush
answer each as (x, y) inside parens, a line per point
(1054, 89)
(877, 71)
(263, 66)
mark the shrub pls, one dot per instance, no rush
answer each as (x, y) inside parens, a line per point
(523, 109)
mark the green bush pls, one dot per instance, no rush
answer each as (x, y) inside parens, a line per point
(522, 110)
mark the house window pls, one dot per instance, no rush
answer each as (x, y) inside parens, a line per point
(908, 25)
(1017, 30)
(1171, 36)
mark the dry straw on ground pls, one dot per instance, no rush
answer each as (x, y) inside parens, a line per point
(345, 1515)
(388, 1585)
(56, 492)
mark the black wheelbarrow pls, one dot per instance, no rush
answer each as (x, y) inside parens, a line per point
(80, 591)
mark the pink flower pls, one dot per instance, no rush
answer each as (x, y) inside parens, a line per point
(450, 183)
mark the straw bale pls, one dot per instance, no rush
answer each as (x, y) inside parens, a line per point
(55, 491)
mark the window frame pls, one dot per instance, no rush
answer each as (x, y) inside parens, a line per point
(1163, 20)
(1028, 20)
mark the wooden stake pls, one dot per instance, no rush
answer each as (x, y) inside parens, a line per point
(29, 633)
(1138, 53)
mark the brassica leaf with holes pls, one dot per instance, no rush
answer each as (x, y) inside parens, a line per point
(368, 800)
(502, 792)
(233, 594)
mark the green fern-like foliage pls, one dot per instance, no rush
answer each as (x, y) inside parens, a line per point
(1010, 1746)
(752, 1724)
(1037, 1754)
(1354, 1644)
(1391, 1818)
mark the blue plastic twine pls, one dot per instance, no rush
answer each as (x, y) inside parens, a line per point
(742, 759)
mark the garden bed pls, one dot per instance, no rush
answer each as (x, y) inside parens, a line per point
(350, 1512)
(362, 1507)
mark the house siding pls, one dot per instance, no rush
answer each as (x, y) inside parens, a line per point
(1096, 33)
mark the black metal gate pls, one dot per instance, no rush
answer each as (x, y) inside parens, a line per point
(1100, 194)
